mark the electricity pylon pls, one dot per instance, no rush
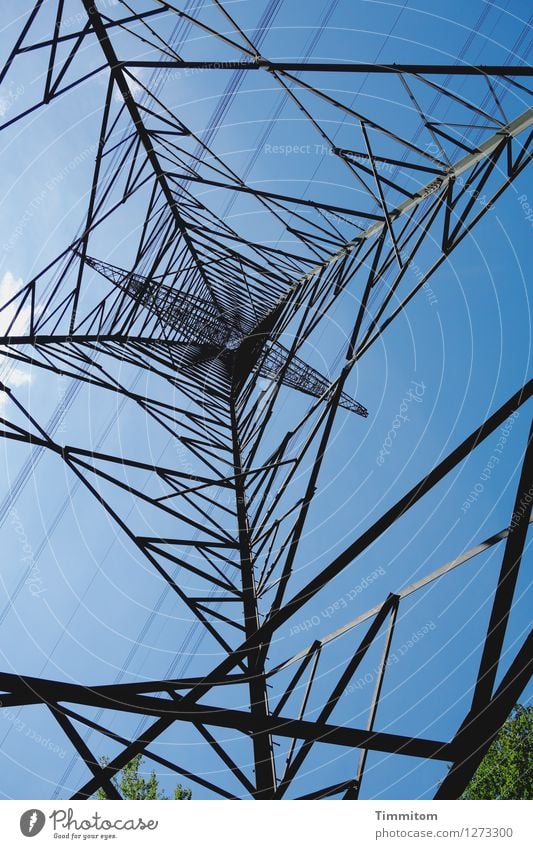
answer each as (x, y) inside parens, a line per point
(202, 310)
(194, 320)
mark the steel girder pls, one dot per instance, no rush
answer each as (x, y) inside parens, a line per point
(82, 331)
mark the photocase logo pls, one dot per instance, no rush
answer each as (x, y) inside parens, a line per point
(32, 822)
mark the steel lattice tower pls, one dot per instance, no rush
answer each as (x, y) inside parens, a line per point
(217, 319)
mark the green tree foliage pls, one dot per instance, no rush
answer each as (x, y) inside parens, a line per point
(131, 785)
(506, 771)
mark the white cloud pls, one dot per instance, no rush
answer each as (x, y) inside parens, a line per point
(19, 377)
(136, 89)
(12, 375)
(135, 85)
(9, 286)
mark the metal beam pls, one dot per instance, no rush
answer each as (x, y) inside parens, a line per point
(484, 151)
(339, 67)
(477, 733)
(265, 772)
(503, 598)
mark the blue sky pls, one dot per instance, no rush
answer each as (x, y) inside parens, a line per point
(88, 607)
